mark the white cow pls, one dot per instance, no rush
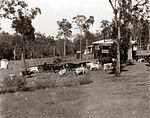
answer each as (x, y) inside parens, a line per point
(62, 72)
(93, 66)
(80, 70)
(141, 60)
(108, 66)
(34, 69)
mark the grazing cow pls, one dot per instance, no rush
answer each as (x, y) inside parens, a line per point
(80, 70)
(83, 63)
(47, 67)
(141, 60)
(11, 76)
(70, 66)
(26, 73)
(93, 66)
(108, 66)
(62, 72)
(33, 69)
(57, 68)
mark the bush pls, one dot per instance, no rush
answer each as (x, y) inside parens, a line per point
(70, 82)
(13, 83)
(77, 80)
(45, 83)
(85, 79)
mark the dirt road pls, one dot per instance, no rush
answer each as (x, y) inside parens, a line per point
(107, 97)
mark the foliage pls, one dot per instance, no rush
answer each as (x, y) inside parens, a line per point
(21, 17)
(125, 9)
(83, 24)
(45, 83)
(64, 28)
(13, 83)
(65, 31)
(107, 28)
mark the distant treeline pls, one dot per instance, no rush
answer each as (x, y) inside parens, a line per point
(41, 47)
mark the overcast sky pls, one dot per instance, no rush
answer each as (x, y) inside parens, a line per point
(54, 10)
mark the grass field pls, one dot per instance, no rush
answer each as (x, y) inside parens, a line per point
(106, 97)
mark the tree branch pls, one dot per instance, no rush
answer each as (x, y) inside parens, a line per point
(115, 10)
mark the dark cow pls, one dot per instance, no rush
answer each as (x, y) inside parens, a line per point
(27, 73)
(70, 66)
(57, 68)
(84, 64)
(48, 67)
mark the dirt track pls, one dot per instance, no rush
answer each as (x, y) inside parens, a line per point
(107, 97)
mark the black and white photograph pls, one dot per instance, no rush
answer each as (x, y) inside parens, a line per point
(74, 58)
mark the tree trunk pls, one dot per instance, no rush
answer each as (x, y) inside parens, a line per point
(53, 51)
(23, 54)
(86, 44)
(80, 43)
(65, 47)
(15, 53)
(117, 72)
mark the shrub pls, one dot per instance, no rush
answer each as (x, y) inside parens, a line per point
(77, 80)
(85, 79)
(70, 82)
(45, 83)
(13, 83)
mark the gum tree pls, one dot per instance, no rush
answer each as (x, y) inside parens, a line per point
(21, 16)
(83, 24)
(124, 10)
(65, 31)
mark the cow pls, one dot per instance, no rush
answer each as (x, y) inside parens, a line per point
(62, 72)
(93, 66)
(48, 67)
(83, 63)
(108, 66)
(70, 66)
(33, 69)
(26, 73)
(80, 70)
(141, 60)
(57, 68)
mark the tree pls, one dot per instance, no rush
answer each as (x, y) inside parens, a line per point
(106, 29)
(21, 17)
(83, 25)
(123, 11)
(65, 31)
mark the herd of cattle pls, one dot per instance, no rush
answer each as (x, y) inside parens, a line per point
(79, 68)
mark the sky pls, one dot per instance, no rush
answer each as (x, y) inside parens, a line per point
(55, 10)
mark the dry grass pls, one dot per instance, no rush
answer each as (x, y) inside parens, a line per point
(107, 97)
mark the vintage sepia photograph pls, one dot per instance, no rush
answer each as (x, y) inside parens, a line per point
(74, 58)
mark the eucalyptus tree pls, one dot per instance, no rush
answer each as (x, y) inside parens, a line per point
(106, 27)
(21, 16)
(123, 12)
(83, 24)
(65, 31)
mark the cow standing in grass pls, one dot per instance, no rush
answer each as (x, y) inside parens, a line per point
(63, 72)
(80, 70)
